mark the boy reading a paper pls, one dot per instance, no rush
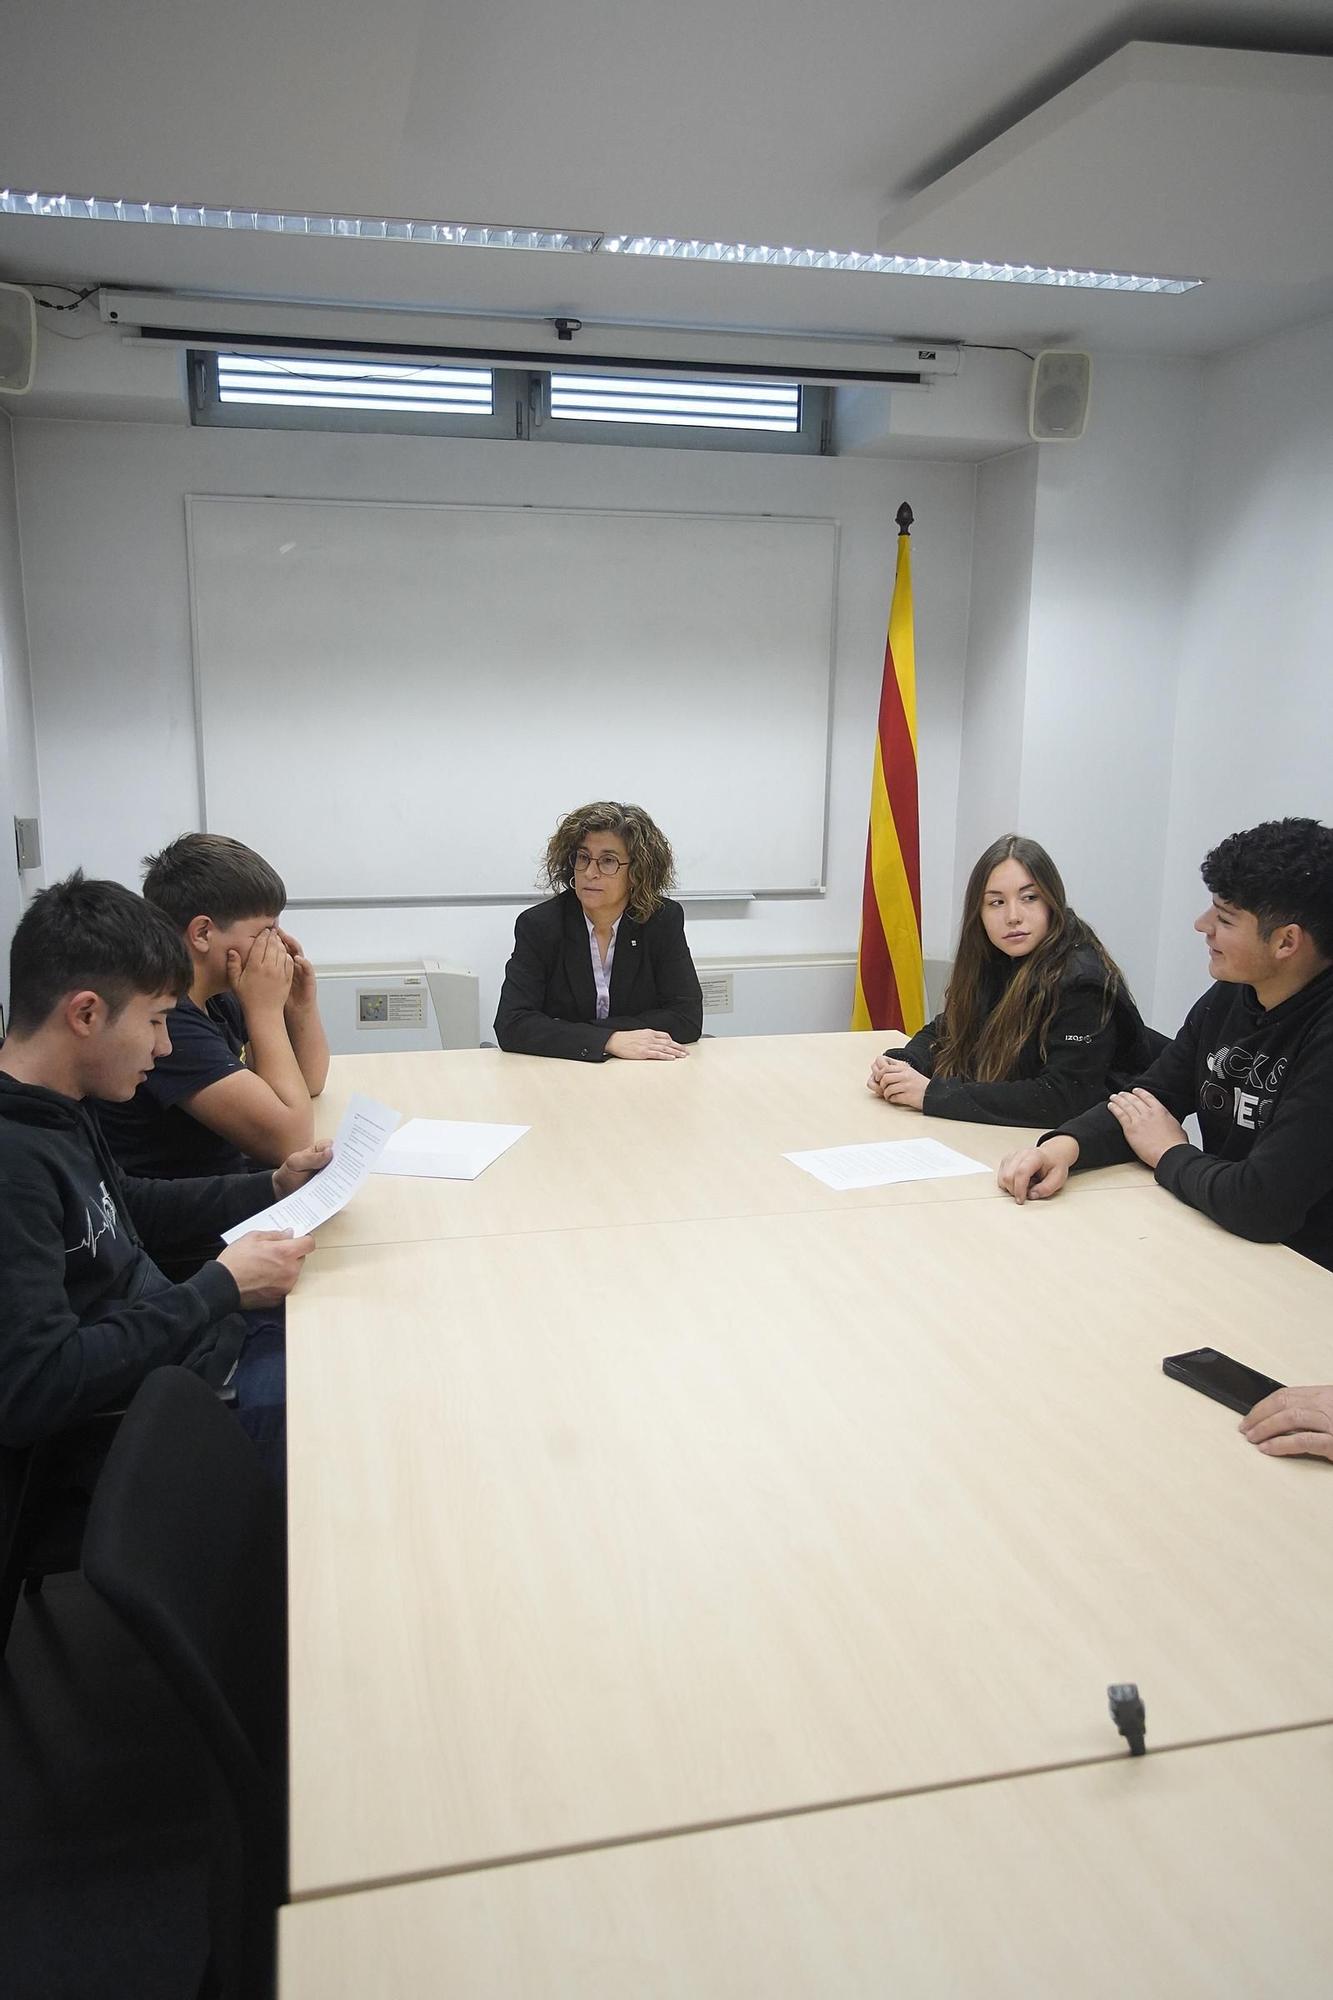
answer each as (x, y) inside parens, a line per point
(95, 978)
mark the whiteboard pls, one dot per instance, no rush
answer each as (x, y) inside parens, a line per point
(399, 702)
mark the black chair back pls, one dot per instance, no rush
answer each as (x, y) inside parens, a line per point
(186, 1542)
(44, 1494)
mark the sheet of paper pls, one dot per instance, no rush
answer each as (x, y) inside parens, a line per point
(885, 1161)
(357, 1145)
(446, 1149)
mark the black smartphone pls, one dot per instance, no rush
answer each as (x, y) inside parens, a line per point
(1218, 1376)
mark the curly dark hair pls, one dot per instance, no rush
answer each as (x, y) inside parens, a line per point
(1282, 872)
(652, 867)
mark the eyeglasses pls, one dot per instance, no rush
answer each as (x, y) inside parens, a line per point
(605, 864)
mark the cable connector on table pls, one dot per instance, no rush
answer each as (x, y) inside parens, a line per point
(1128, 1715)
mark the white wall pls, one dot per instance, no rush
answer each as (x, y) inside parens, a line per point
(994, 698)
(18, 751)
(102, 509)
(1079, 576)
(1146, 666)
(1254, 721)
(1109, 581)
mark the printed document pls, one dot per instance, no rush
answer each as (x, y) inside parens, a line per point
(357, 1145)
(885, 1161)
(446, 1149)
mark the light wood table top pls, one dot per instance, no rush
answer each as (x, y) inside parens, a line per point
(625, 1142)
(599, 1533)
(1198, 1875)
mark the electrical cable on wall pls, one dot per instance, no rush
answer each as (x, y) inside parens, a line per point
(71, 305)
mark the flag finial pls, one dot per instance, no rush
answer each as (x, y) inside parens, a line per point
(904, 517)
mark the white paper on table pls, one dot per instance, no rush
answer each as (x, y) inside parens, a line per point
(885, 1161)
(356, 1146)
(446, 1149)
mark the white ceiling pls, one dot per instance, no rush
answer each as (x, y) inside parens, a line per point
(1174, 160)
(719, 118)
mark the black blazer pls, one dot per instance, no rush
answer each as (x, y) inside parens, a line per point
(548, 1003)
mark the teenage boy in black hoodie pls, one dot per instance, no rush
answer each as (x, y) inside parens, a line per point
(1254, 1059)
(94, 975)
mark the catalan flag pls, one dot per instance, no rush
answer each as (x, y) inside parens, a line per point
(890, 987)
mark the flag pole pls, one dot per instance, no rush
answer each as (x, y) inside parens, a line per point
(890, 989)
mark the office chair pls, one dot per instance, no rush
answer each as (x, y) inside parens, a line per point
(44, 1494)
(186, 1542)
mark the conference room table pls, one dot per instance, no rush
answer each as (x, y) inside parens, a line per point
(1196, 1875)
(623, 1142)
(666, 1494)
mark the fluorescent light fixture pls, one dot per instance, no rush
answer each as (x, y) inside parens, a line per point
(695, 402)
(354, 385)
(274, 222)
(492, 236)
(787, 255)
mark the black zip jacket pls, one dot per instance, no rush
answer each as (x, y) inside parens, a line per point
(1261, 1084)
(86, 1312)
(1091, 1049)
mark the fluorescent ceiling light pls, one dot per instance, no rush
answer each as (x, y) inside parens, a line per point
(894, 267)
(493, 236)
(274, 222)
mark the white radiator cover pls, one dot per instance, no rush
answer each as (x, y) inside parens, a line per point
(800, 995)
(389, 1009)
(804, 994)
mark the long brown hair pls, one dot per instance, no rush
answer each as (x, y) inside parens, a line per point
(982, 1036)
(651, 865)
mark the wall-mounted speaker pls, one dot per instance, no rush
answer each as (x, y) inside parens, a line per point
(18, 340)
(1059, 395)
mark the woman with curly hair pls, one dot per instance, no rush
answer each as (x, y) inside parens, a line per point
(602, 967)
(1038, 1023)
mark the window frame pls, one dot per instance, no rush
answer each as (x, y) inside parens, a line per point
(810, 438)
(506, 420)
(521, 412)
